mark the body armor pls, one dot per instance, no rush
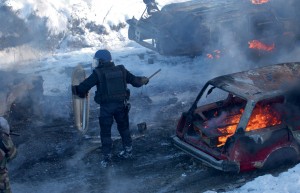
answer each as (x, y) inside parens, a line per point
(112, 85)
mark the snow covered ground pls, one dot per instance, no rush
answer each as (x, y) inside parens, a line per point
(57, 15)
(288, 181)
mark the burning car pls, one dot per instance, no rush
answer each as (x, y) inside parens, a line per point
(244, 121)
(197, 27)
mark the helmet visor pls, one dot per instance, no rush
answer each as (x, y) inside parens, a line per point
(95, 63)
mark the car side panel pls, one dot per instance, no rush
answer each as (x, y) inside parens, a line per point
(253, 148)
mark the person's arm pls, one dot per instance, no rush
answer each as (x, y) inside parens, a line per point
(136, 81)
(8, 147)
(82, 89)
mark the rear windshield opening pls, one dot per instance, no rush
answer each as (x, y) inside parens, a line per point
(220, 112)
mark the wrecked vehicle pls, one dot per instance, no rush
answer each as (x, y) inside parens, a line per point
(199, 26)
(244, 121)
(20, 95)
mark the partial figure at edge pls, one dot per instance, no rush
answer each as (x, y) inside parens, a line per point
(8, 152)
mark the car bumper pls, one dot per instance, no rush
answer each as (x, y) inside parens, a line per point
(223, 165)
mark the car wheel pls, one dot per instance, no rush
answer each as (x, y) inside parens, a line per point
(281, 157)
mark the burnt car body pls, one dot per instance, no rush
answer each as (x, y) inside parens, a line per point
(199, 26)
(244, 121)
(20, 95)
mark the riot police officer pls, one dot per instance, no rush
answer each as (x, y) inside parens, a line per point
(112, 95)
(7, 152)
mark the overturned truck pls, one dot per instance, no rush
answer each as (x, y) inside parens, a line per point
(200, 26)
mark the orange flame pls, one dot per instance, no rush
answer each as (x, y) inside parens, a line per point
(255, 44)
(215, 54)
(210, 56)
(256, 2)
(262, 117)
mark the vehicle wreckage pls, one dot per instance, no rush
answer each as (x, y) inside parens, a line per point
(245, 121)
(199, 27)
(20, 95)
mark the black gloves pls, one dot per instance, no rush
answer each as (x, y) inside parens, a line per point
(75, 92)
(145, 80)
(74, 89)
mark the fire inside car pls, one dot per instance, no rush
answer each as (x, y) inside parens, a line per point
(219, 120)
(242, 121)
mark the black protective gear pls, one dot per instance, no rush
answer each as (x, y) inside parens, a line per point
(108, 112)
(127, 107)
(145, 80)
(107, 161)
(126, 153)
(74, 89)
(75, 92)
(112, 85)
(113, 106)
(127, 94)
(105, 121)
(93, 79)
(103, 56)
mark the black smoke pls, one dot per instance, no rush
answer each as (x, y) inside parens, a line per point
(200, 27)
(290, 110)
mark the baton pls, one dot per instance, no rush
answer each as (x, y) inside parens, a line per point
(15, 134)
(154, 73)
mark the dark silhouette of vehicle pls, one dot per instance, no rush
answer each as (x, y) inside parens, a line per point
(245, 121)
(198, 26)
(20, 95)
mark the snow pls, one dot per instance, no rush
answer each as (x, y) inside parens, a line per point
(286, 182)
(108, 13)
(63, 19)
(58, 12)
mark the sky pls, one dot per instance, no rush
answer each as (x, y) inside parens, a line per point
(57, 13)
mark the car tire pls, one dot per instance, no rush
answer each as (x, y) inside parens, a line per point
(276, 158)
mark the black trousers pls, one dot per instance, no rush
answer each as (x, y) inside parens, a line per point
(109, 112)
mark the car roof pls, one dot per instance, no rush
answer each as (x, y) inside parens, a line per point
(260, 83)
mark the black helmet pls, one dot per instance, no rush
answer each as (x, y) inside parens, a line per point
(101, 56)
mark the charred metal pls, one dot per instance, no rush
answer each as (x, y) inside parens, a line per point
(20, 95)
(244, 121)
(194, 27)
